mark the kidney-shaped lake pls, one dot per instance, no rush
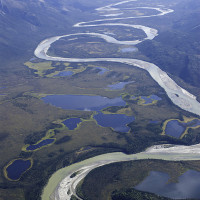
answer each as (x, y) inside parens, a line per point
(15, 170)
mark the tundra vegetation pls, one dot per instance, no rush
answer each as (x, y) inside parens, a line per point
(26, 120)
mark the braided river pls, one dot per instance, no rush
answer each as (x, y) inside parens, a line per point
(62, 185)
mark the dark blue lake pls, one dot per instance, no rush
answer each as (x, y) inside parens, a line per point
(176, 129)
(17, 168)
(65, 73)
(72, 123)
(118, 86)
(83, 102)
(116, 121)
(40, 144)
(187, 187)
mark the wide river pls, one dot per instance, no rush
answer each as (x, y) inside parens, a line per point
(61, 186)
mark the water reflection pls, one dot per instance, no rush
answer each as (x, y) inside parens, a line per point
(83, 102)
(92, 103)
(187, 187)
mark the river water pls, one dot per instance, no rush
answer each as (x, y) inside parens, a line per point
(60, 183)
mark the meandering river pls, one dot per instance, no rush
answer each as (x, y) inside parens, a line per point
(62, 185)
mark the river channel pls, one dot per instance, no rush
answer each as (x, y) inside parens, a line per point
(61, 186)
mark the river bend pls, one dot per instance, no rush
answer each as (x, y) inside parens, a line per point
(61, 185)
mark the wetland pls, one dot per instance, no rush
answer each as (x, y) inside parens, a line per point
(177, 128)
(58, 111)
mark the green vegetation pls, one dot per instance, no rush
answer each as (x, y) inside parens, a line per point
(142, 102)
(51, 69)
(116, 181)
(12, 193)
(118, 110)
(132, 194)
(24, 79)
(63, 139)
(39, 68)
(176, 48)
(34, 138)
(33, 120)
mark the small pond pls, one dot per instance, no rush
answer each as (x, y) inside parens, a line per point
(116, 121)
(17, 168)
(155, 97)
(194, 123)
(175, 128)
(133, 98)
(187, 187)
(83, 102)
(128, 50)
(150, 99)
(118, 86)
(72, 123)
(40, 144)
(65, 73)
